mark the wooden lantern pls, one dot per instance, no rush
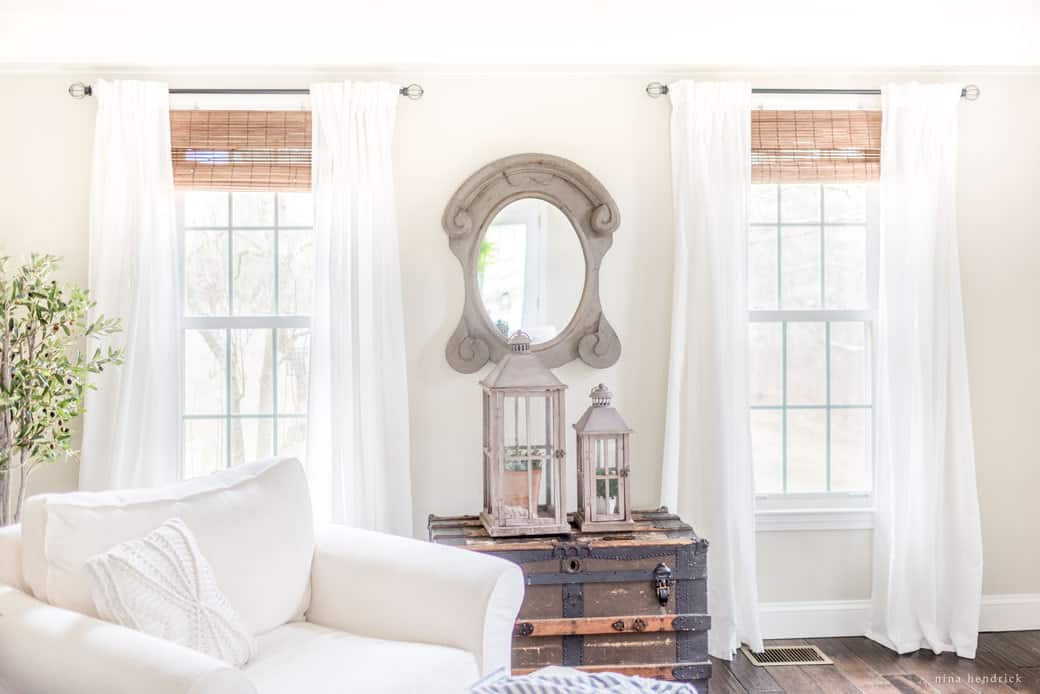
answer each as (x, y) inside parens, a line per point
(524, 454)
(603, 465)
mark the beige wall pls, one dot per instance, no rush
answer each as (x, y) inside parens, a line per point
(606, 124)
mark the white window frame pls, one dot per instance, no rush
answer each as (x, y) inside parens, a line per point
(827, 510)
(231, 322)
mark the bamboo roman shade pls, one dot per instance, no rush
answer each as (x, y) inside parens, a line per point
(241, 150)
(815, 146)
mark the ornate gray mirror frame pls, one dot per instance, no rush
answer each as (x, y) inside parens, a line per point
(594, 216)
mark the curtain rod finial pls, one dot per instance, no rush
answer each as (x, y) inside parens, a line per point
(78, 90)
(656, 89)
(971, 92)
(412, 91)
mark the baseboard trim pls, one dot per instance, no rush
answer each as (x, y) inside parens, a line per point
(1010, 612)
(798, 620)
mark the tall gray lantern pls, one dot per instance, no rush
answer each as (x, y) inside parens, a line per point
(524, 454)
(603, 466)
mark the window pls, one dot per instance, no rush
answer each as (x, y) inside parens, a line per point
(248, 260)
(811, 260)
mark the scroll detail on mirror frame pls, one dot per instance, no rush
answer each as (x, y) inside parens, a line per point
(595, 217)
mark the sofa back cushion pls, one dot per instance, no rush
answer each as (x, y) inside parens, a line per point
(253, 522)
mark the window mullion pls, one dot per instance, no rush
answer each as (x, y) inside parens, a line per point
(227, 332)
(823, 255)
(227, 401)
(783, 336)
(274, 391)
(873, 224)
(826, 340)
(827, 350)
(810, 316)
(779, 254)
(783, 408)
(274, 336)
(230, 259)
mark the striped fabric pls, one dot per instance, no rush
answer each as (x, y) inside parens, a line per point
(563, 680)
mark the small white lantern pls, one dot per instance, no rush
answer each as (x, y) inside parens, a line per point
(603, 466)
(524, 453)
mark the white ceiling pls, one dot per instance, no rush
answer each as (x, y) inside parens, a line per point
(830, 34)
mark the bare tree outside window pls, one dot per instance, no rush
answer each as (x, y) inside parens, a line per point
(248, 274)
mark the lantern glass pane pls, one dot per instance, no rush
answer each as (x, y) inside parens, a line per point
(513, 427)
(487, 482)
(546, 509)
(540, 425)
(604, 468)
(486, 417)
(610, 451)
(527, 482)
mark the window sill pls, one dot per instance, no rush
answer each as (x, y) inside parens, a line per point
(814, 512)
(815, 519)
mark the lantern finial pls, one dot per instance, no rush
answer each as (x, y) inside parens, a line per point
(520, 342)
(600, 396)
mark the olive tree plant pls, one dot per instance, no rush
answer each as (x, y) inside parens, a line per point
(49, 348)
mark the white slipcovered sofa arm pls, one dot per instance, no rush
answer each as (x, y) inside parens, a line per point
(50, 650)
(390, 587)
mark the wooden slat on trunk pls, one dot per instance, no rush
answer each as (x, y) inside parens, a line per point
(661, 671)
(611, 625)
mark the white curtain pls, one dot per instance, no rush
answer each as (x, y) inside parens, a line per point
(927, 540)
(357, 448)
(707, 473)
(131, 430)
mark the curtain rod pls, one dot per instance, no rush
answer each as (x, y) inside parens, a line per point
(969, 92)
(78, 90)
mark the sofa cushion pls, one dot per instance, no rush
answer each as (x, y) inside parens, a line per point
(253, 522)
(303, 657)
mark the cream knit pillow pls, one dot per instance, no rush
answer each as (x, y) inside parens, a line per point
(163, 586)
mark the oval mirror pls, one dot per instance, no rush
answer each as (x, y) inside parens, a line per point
(530, 232)
(530, 270)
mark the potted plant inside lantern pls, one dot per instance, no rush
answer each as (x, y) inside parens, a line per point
(514, 481)
(45, 368)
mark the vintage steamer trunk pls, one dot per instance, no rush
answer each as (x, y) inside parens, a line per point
(632, 601)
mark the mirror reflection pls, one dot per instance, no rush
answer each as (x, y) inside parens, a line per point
(530, 269)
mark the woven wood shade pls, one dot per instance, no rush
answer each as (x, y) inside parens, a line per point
(241, 150)
(815, 146)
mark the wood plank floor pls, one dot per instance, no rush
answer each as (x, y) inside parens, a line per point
(1006, 662)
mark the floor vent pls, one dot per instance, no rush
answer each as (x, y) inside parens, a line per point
(787, 655)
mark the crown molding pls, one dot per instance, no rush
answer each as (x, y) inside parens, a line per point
(518, 70)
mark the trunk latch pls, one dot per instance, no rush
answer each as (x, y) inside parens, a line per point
(663, 583)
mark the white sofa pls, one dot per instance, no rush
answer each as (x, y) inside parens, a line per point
(346, 611)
